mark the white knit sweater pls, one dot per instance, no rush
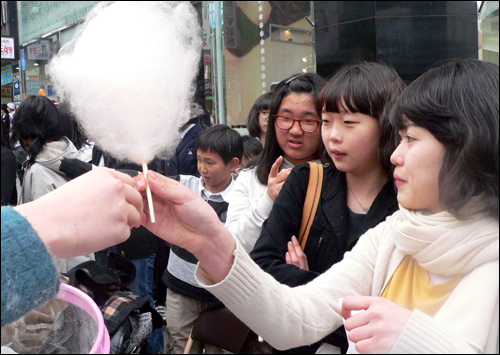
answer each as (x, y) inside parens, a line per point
(288, 318)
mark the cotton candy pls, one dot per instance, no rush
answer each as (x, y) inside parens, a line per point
(129, 74)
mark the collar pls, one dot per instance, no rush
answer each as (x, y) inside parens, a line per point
(183, 133)
(223, 196)
(288, 165)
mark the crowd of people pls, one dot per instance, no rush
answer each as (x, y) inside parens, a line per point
(406, 227)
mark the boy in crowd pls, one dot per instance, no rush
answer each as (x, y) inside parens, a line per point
(219, 152)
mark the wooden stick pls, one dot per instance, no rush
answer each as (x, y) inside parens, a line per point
(148, 193)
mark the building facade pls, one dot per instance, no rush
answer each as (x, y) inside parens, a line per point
(250, 46)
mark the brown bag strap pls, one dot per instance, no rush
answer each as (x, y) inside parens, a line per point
(311, 202)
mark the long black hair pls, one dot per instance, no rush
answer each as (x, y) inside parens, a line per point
(69, 126)
(37, 119)
(308, 83)
(457, 101)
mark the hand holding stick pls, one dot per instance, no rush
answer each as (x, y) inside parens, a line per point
(148, 192)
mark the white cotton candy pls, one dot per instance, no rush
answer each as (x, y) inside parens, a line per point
(129, 75)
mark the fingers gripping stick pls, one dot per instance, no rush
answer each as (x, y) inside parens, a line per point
(148, 192)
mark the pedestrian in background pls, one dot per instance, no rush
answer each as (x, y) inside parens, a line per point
(9, 192)
(258, 118)
(37, 128)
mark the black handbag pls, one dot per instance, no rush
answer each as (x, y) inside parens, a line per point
(219, 327)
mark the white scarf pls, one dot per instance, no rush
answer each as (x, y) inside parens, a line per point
(442, 244)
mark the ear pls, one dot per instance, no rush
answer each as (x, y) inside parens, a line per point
(233, 164)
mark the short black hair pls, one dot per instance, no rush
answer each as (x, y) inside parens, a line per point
(223, 140)
(251, 147)
(457, 101)
(263, 102)
(369, 88)
(37, 118)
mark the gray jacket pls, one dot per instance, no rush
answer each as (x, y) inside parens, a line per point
(43, 177)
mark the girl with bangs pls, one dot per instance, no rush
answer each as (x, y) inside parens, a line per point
(358, 190)
(293, 137)
(423, 281)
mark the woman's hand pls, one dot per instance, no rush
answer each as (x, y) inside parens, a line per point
(377, 329)
(183, 218)
(87, 214)
(276, 179)
(295, 255)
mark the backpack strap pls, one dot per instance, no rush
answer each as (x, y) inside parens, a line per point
(311, 203)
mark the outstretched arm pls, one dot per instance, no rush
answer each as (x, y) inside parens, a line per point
(183, 218)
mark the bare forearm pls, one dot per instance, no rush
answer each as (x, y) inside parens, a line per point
(216, 256)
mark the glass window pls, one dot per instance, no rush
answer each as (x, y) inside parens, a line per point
(264, 43)
(37, 56)
(488, 31)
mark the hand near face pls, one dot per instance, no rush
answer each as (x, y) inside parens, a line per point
(296, 256)
(276, 179)
(377, 329)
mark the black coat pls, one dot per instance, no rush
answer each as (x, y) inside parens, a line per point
(9, 194)
(185, 159)
(328, 236)
(141, 242)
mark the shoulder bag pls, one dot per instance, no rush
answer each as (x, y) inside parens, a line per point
(219, 326)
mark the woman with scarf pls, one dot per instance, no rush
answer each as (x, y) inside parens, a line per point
(426, 279)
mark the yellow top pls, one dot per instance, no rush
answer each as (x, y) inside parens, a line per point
(411, 288)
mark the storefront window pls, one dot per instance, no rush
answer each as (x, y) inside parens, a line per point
(488, 31)
(264, 43)
(37, 56)
(45, 26)
(38, 18)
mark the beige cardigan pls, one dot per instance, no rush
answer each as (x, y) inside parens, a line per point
(288, 318)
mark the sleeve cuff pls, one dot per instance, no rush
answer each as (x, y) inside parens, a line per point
(241, 282)
(265, 205)
(423, 335)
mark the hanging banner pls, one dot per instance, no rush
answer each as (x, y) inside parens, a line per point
(7, 75)
(231, 32)
(8, 48)
(39, 50)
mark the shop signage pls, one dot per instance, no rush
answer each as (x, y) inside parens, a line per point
(17, 87)
(231, 34)
(7, 75)
(206, 37)
(39, 50)
(6, 92)
(33, 87)
(8, 48)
